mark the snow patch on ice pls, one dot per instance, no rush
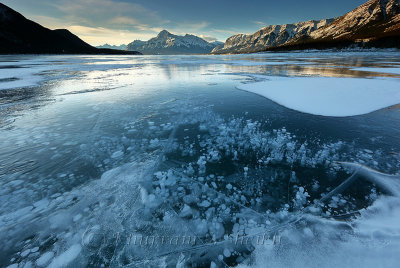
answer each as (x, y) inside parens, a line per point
(329, 96)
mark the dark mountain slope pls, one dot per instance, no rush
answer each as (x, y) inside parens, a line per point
(20, 35)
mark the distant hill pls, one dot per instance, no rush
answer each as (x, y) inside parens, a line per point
(217, 43)
(20, 35)
(374, 24)
(167, 43)
(120, 47)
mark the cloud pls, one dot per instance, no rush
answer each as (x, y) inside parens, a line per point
(49, 22)
(208, 38)
(103, 21)
(106, 13)
(99, 35)
(260, 23)
(197, 26)
(124, 20)
(225, 31)
(116, 21)
(183, 28)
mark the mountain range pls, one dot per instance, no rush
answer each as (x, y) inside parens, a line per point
(374, 24)
(269, 36)
(108, 46)
(20, 35)
(166, 43)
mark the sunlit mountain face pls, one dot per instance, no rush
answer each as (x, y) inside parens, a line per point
(176, 150)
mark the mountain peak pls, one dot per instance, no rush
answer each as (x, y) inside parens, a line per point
(374, 19)
(164, 33)
(377, 23)
(167, 43)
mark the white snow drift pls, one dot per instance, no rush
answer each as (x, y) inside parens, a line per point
(329, 96)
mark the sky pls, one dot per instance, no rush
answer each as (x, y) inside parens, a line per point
(123, 21)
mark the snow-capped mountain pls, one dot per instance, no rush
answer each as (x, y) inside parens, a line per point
(217, 43)
(120, 47)
(376, 23)
(269, 36)
(167, 43)
(374, 19)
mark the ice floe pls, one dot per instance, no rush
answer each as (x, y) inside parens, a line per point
(329, 96)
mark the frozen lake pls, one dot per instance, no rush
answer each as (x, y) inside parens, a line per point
(202, 161)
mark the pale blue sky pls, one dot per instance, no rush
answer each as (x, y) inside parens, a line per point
(122, 21)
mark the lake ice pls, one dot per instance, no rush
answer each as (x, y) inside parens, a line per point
(329, 96)
(174, 161)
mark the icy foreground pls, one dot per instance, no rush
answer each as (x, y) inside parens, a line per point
(161, 161)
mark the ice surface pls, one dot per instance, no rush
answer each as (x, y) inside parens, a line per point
(329, 96)
(373, 240)
(31, 71)
(20, 77)
(138, 190)
(44, 259)
(142, 146)
(389, 183)
(378, 70)
(65, 258)
(214, 60)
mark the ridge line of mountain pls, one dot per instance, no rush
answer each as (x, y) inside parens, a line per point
(19, 35)
(166, 43)
(373, 24)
